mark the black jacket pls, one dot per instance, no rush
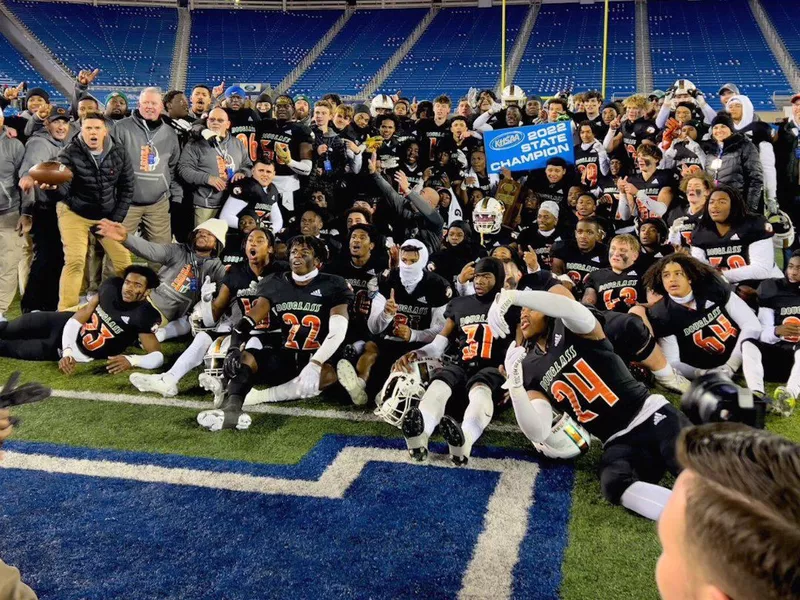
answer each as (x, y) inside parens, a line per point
(787, 160)
(97, 191)
(740, 168)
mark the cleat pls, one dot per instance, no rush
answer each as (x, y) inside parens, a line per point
(641, 373)
(214, 385)
(783, 403)
(675, 382)
(355, 386)
(228, 416)
(163, 384)
(454, 436)
(414, 431)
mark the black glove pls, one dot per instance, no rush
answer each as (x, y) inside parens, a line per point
(11, 395)
(232, 363)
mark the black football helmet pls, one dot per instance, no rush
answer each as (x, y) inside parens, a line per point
(714, 397)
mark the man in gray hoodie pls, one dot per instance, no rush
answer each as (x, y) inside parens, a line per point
(154, 150)
(15, 216)
(210, 163)
(48, 250)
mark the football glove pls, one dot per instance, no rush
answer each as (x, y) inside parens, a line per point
(232, 363)
(208, 289)
(513, 366)
(308, 380)
(11, 395)
(497, 313)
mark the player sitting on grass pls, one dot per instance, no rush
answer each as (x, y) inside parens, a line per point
(311, 309)
(111, 322)
(567, 362)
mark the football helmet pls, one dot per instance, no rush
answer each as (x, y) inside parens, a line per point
(513, 95)
(714, 397)
(783, 228)
(403, 390)
(382, 103)
(196, 321)
(567, 439)
(683, 86)
(215, 356)
(487, 217)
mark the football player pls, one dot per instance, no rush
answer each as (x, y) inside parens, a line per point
(546, 233)
(430, 131)
(311, 309)
(471, 387)
(110, 322)
(259, 193)
(592, 102)
(682, 220)
(701, 325)
(289, 145)
(568, 363)
(237, 292)
(653, 234)
(649, 193)
(243, 120)
(733, 241)
(779, 314)
(553, 182)
(591, 159)
(628, 135)
(582, 256)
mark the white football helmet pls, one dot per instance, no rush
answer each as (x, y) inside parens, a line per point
(567, 439)
(215, 356)
(196, 321)
(683, 86)
(403, 390)
(487, 217)
(783, 228)
(381, 102)
(513, 94)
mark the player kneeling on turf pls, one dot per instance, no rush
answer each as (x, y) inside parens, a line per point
(473, 385)
(103, 328)
(567, 362)
(311, 309)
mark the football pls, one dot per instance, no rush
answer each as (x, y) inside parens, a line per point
(51, 173)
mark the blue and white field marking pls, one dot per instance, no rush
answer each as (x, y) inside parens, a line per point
(353, 519)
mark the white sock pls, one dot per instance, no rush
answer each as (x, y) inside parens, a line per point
(664, 373)
(279, 393)
(753, 367)
(793, 385)
(433, 403)
(478, 414)
(174, 329)
(646, 499)
(191, 357)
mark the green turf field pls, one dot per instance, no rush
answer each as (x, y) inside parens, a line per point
(611, 553)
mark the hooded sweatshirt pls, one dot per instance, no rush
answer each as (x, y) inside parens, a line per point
(40, 148)
(760, 134)
(202, 158)
(11, 153)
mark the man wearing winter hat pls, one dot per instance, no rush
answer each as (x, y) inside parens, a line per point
(116, 106)
(190, 271)
(264, 106)
(243, 120)
(302, 110)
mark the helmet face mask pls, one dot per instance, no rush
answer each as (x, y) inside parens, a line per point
(783, 229)
(381, 104)
(567, 439)
(487, 218)
(215, 356)
(513, 95)
(403, 390)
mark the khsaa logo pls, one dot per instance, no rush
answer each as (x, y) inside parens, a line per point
(509, 140)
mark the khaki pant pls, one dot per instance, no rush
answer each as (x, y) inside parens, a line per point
(155, 222)
(75, 236)
(10, 255)
(11, 588)
(25, 262)
(201, 215)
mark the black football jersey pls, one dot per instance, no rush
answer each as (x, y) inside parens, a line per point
(243, 285)
(303, 312)
(474, 346)
(540, 281)
(617, 292)
(270, 132)
(599, 127)
(258, 198)
(662, 178)
(414, 174)
(555, 192)
(732, 250)
(430, 135)
(684, 157)
(606, 192)
(689, 223)
(706, 335)
(414, 309)
(243, 127)
(114, 324)
(586, 379)
(364, 283)
(634, 133)
(540, 244)
(587, 165)
(578, 265)
(784, 299)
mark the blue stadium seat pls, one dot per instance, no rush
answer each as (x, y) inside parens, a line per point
(710, 43)
(131, 45)
(460, 48)
(365, 43)
(783, 15)
(252, 46)
(565, 50)
(15, 68)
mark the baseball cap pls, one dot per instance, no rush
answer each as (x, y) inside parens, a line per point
(235, 90)
(58, 112)
(299, 97)
(731, 87)
(656, 94)
(117, 95)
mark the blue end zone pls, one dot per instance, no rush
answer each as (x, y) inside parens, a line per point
(400, 531)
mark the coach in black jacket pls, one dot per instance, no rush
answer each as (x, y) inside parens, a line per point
(101, 188)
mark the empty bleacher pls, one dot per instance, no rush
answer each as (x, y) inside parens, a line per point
(460, 49)
(365, 43)
(15, 68)
(565, 50)
(131, 45)
(713, 42)
(252, 46)
(784, 15)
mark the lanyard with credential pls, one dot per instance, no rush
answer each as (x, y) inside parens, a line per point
(226, 158)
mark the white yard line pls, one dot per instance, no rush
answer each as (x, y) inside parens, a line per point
(270, 409)
(490, 571)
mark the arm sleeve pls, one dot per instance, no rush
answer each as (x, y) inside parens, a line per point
(157, 253)
(337, 330)
(534, 417)
(699, 254)
(766, 316)
(663, 115)
(669, 346)
(608, 141)
(708, 113)
(762, 262)
(69, 344)
(481, 123)
(576, 317)
(603, 160)
(275, 218)
(437, 323)
(465, 289)
(377, 320)
(230, 210)
(301, 167)
(623, 208)
(153, 360)
(435, 349)
(693, 146)
(655, 207)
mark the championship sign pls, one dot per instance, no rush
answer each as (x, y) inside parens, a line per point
(526, 148)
